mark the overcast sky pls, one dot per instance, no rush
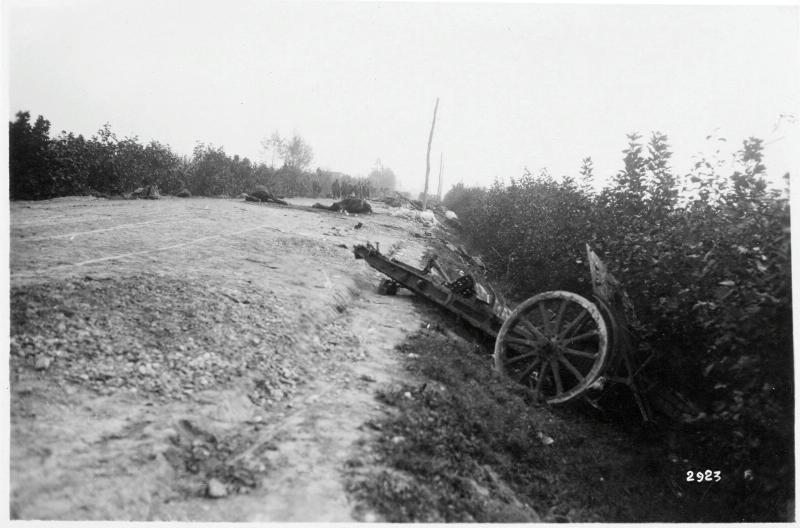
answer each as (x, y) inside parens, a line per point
(519, 84)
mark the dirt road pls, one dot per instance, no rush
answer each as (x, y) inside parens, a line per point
(199, 359)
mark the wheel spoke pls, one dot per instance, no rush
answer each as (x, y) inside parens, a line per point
(580, 353)
(574, 325)
(575, 339)
(545, 319)
(521, 357)
(557, 376)
(532, 328)
(560, 316)
(522, 332)
(556, 335)
(571, 368)
(524, 342)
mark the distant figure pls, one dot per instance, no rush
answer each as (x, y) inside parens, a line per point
(335, 190)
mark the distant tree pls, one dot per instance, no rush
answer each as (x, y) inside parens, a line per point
(165, 167)
(274, 145)
(297, 153)
(130, 165)
(72, 157)
(382, 178)
(29, 158)
(211, 170)
(104, 175)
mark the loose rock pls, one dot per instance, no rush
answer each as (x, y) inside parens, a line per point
(216, 489)
(42, 362)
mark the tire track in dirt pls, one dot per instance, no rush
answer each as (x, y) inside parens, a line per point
(307, 449)
(89, 262)
(74, 234)
(77, 454)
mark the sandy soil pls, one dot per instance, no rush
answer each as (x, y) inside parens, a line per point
(164, 351)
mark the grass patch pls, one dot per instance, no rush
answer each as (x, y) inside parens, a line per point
(466, 445)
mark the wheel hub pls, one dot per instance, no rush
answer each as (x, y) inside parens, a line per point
(550, 349)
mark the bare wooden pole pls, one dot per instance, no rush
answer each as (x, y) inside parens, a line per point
(428, 158)
(439, 193)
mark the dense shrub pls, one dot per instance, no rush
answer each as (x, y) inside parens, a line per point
(531, 232)
(41, 166)
(29, 157)
(706, 260)
(468, 203)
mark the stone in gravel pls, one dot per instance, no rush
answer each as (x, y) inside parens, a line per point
(216, 489)
(546, 440)
(42, 362)
(476, 488)
(398, 439)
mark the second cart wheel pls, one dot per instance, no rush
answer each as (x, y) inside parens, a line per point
(555, 343)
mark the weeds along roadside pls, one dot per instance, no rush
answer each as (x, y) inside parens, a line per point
(464, 444)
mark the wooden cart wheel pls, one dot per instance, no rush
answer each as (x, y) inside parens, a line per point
(556, 343)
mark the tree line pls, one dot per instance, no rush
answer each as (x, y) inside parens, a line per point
(706, 259)
(42, 166)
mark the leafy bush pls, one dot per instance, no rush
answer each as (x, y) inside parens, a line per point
(43, 167)
(706, 260)
(468, 203)
(30, 157)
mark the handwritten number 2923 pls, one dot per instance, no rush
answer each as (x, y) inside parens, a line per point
(703, 476)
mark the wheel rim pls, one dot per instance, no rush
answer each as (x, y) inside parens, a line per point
(555, 343)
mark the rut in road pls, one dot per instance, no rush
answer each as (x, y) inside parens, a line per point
(237, 343)
(307, 448)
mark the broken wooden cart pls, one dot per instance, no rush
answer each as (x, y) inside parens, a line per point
(557, 343)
